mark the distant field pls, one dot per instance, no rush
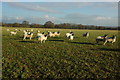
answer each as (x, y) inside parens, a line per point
(59, 57)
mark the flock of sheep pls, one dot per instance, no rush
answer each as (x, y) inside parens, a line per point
(42, 37)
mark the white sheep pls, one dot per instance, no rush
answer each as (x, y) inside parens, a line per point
(42, 38)
(56, 34)
(86, 34)
(40, 34)
(8, 30)
(38, 31)
(51, 34)
(110, 39)
(69, 34)
(13, 32)
(27, 34)
(71, 37)
(101, 38)
(16, 29)
(32, 30)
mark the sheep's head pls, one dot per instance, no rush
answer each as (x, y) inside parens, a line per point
(114, 36)
(71, 32)
(46, 35)
(43, 33)
(106, 35)
(58, 32)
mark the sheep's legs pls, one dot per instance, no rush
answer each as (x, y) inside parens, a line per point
(44, 41)
(24, 38)
(105, 42)
(97, 41)
(112, 42)
(41, 41)
(30, 38)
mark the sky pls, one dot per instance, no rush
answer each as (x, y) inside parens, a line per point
(86, 13)
(59, 0)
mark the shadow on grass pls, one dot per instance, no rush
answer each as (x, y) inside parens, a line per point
(27, 41)
(57, 40)
(82, 43)
(108, 49)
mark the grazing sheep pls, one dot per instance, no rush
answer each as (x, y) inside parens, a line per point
(57, 34)
(71, 37)
(32, 30)
(42, 38)
(53, 34)
(69, 34)
(110, 39)
(16, 29)
(8, 30)
(13, 32)
(27, 34)
(20, 30)
(101, 38)
(38, 31)
(50, 34)
(40, 34)
(86, 34)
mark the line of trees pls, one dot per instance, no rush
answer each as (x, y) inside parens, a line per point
(50, 24)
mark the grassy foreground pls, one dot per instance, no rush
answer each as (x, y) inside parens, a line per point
(59, 58)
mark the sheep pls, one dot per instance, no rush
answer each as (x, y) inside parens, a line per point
(50, 34)
(42, 38)
(13, 32)
(16, 29)
(32, 30)
(27, 34)
(8, 30)
(20, 30)
(53, 34)
(40, 34)
(101, 38)
(57, 34)
(71, 37)
(86, 35)
(110, 39)
(38, 31)
(68, 34)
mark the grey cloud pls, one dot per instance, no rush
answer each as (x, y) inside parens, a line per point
(92, 19)
(34, 7)
(56, 7)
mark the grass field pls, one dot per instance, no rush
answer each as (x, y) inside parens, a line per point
(59, 58)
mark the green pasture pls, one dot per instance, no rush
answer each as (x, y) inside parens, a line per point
(59, 58)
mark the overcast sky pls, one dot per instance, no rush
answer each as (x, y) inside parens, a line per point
(88, 13)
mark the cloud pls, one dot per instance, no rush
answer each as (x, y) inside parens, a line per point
(31, 19)
(102, 18)
(33, 7)
(92, 19)
(49, 18)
